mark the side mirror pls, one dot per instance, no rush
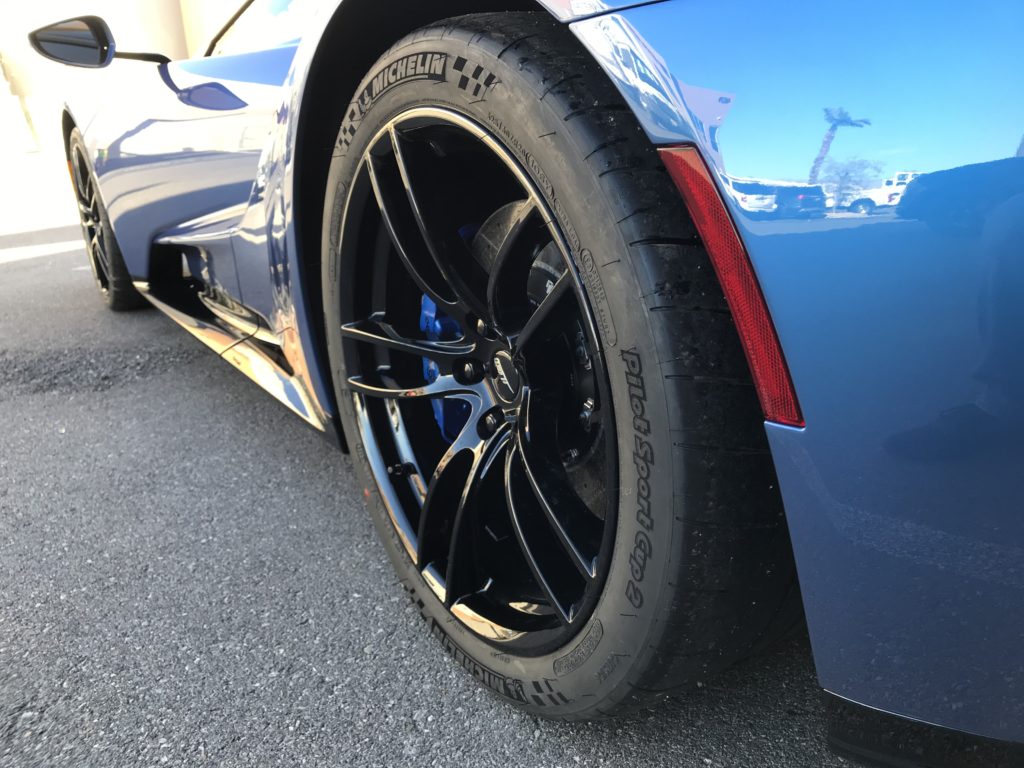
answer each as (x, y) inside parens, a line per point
(82, 42)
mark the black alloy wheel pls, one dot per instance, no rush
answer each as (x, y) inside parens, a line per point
(105, 258)
(89, 214)
(479, 383)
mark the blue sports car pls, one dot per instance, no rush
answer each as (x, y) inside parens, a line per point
(651, 327)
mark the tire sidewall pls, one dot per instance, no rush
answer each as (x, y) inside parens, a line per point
(601, 660)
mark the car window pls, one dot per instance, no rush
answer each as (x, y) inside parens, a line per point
(263, 24)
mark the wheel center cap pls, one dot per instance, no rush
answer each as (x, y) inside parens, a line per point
(507, 381)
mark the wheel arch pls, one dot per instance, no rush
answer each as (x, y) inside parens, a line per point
(359, 32)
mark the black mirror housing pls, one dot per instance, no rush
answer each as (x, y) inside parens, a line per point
(84, 41)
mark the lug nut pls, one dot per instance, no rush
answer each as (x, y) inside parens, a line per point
(468, 371)
(492, 422)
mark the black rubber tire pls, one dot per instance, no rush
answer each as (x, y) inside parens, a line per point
(117, 291)
(706, 576)
(863, 206)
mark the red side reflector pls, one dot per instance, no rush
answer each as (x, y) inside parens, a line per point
(750, 313)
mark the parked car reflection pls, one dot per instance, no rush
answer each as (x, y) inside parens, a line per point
(956, 201)
(774, 199)
(886, 195)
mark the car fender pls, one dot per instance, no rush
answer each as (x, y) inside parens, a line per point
(900, 329)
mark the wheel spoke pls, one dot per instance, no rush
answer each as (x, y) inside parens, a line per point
(558, 301)
(450, 499)
(444, 489)
(97, 250)
(374, 330)
(460, 565)
(445, 249)
(574, 526)
(444, 386)
(545, 569)
(408, 250)
(79, 172)
(554, 503)
(511, 245)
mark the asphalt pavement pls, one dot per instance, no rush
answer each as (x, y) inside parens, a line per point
(188, 577)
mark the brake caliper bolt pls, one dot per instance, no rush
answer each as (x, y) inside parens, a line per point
(492, 422)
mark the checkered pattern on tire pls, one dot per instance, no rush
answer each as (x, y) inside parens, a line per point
(475, 80)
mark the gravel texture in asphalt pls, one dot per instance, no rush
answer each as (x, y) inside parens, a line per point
(188, 577)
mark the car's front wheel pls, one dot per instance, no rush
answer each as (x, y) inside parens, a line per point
(105, 259)
(862, 206)
(538, 375)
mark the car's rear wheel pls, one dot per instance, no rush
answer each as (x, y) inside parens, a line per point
(108, 267)
(536, 371)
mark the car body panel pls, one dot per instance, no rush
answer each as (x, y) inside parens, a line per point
(195, 159)
(573, 10)
(903, 330)
(187, 147)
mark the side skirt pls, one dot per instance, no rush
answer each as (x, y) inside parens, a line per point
(875, 738)
(245, 352)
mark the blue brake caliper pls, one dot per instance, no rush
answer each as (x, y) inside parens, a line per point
(450, 414)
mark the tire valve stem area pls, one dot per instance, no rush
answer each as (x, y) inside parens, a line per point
(450, 414)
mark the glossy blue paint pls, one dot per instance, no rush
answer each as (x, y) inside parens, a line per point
(903, 328)
(185, 145)
(572, 10)
(194, 168)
